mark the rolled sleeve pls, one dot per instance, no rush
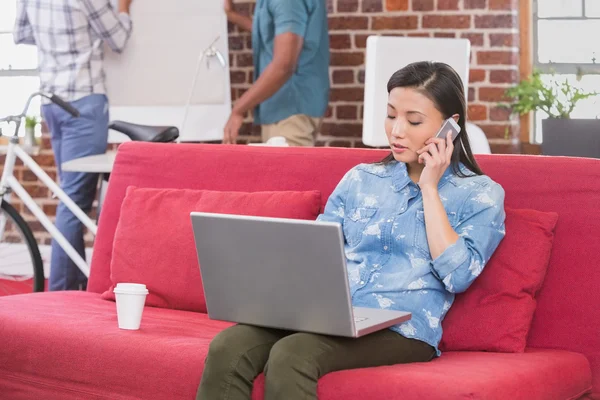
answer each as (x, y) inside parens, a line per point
(289, 16)
(480, 232)
(111, 27)
(22, 32)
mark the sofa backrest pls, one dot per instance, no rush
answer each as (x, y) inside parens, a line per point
(568, 312)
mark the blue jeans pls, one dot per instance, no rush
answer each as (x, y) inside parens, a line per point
(73, 138)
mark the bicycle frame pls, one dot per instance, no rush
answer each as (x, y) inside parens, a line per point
(10, 184)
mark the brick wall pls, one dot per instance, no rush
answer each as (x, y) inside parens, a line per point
(490, 25)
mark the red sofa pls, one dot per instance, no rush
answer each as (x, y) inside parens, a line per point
(66, 345)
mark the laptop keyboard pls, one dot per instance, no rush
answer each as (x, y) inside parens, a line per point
(360, 319)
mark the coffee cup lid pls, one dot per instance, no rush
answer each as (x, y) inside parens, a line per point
(131, 288)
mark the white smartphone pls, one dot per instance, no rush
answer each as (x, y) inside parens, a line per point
(448, 125)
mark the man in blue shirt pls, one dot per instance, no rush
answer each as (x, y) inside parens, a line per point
(289, 96)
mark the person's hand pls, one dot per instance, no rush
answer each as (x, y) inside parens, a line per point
(124, 6)
(228, 6)
(232, 127)
(436, 156)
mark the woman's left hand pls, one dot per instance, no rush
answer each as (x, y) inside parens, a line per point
(436, 156)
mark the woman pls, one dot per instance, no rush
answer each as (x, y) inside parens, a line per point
(419, 227)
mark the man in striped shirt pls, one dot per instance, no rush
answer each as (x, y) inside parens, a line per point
(70, 36)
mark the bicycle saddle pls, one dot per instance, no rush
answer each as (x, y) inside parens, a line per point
(146, 133)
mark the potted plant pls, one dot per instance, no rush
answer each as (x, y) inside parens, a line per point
(30, 123)
(562, 135)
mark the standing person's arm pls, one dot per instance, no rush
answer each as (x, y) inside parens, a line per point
(111, 27)
(290, 25)
(22, 32)
(236, 18)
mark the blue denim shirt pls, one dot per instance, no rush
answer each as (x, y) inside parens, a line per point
(389, 264)
(307, 91)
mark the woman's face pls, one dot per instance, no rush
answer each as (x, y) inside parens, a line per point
(411, 119)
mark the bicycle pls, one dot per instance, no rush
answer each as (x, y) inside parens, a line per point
(14, 224)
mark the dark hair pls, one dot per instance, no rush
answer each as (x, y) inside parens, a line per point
(442, 85)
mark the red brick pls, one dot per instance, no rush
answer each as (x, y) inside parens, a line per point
(342, 76)
(503, 4)
(422, 5)
(504, 40)
(236, 43)
(36, 190)
(342, 130)
(237, 77)
(504, 76)
(477, 112)
(496, 131)
(497, 57)
(396, 5)
(475, 4)
(447, 5)
(244, 60)
(340, 41)
(329, 6)
(472, 94)
(328, 112)
(346, 112)
(476, 75)
(339, 143)
(347, 5)
(28, 176)
(346, 94)
(444, 34)
(49, 209)
(398, 22)
(418, 34)
(346, 59)
(496, 21)
(44, 160)
(372, 5)
(360, 76)
(491, 94)
(476, 39)
(447, 21)
(345, 23)
(360, 41)
(499, 114)
(250, 77)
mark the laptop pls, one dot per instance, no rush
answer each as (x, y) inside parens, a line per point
(281, 273)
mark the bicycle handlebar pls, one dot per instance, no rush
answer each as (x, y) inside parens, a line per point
(64, 105)
(52, 97)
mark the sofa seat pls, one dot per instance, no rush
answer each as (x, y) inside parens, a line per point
(46, 337)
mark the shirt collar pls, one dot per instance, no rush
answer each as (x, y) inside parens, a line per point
(400, 176)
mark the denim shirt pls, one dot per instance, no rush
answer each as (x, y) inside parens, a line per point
(389, 263)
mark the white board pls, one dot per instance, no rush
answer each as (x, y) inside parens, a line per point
(387, 54)
(150, 81)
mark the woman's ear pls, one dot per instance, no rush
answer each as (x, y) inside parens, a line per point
(456, 118)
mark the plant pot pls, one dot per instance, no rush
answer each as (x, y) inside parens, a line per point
(571, 137)
(29, 139)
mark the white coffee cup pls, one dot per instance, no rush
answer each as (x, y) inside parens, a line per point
(130, 298)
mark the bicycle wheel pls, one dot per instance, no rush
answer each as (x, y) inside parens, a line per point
(21, 266)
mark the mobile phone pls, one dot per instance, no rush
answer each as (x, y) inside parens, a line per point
(448, 125)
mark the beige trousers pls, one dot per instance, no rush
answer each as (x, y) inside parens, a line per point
(298, 130)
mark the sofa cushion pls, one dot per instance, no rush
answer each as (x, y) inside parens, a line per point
(495, 313)
(81, 354)
(154, 241)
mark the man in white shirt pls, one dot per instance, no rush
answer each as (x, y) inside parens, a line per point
(69, 36)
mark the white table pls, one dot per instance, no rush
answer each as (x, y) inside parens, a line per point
(101, 164)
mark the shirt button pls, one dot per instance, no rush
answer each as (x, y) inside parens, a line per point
(362, 282)
(385, 247)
